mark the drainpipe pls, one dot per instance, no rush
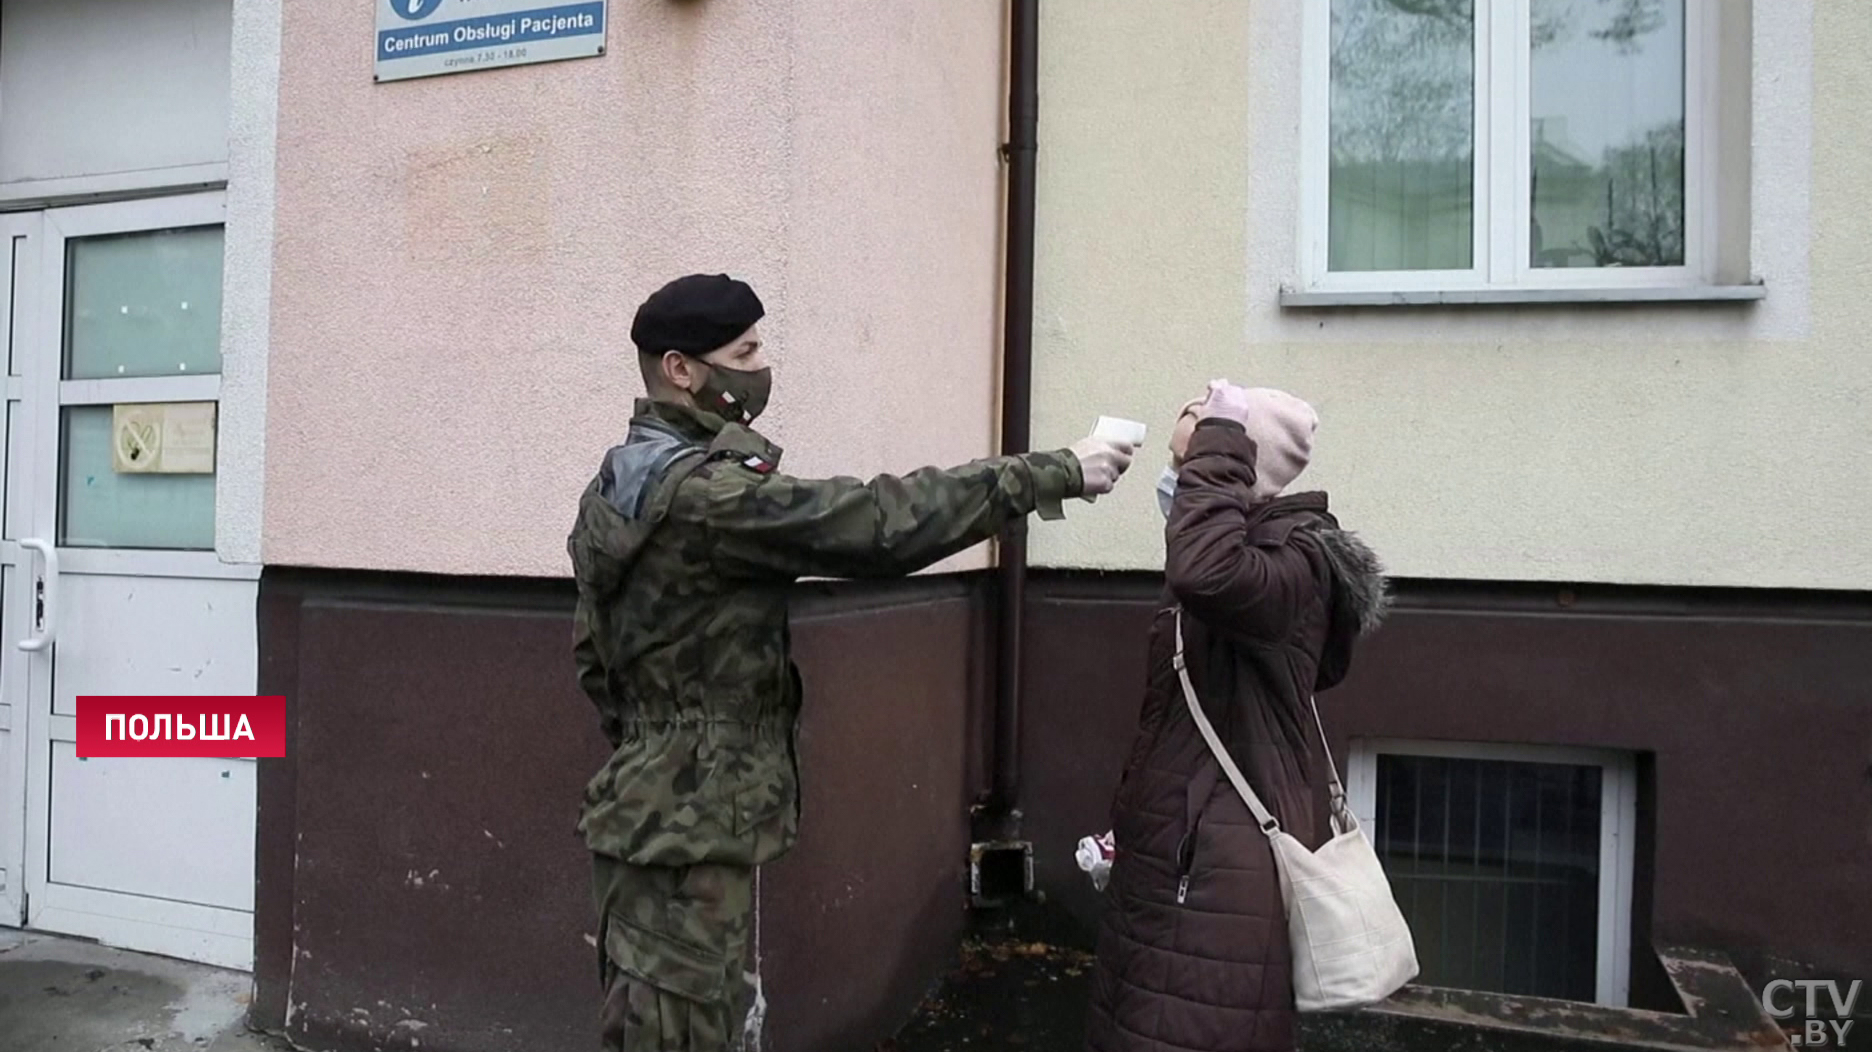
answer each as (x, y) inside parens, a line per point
(1016, 391)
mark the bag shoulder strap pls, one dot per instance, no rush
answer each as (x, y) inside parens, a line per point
(1269, 824)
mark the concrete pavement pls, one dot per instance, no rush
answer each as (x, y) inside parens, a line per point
(62, 995)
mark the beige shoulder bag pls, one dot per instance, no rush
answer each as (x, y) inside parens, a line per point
(1351, 945)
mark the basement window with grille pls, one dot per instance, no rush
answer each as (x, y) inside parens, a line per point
(1513, 864)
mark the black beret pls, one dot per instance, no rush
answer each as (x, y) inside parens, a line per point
(695, 315)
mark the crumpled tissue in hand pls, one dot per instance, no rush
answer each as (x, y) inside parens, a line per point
(1095, 857)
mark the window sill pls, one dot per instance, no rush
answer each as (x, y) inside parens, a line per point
(1293, 299)
(1710, 1006)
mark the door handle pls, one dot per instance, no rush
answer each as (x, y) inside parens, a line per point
(45, 597)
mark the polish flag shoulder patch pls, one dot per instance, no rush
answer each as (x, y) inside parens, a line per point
(758, 466)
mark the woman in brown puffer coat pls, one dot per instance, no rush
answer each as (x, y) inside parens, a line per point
(1193, 953)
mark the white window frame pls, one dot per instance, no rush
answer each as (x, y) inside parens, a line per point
(1503, 163)
(1618, 825)
(74, 223)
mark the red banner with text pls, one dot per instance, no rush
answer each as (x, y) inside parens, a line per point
(233, 726)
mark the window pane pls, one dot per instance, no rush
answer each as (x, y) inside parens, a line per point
(102, 508)
(1608, 133)
(144, 304)
(1402, 177)
(1496, 867)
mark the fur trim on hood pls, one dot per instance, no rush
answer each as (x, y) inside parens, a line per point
(1359, 578)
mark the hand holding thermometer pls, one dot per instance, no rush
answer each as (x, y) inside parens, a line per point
(1119, 430)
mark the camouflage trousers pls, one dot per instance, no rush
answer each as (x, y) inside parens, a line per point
(672, 953)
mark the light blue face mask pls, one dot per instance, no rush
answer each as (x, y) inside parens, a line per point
(1166, 490)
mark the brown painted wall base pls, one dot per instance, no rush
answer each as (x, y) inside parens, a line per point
(420, 878)
(1753, 710)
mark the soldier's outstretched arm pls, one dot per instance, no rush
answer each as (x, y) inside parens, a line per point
(780, 527)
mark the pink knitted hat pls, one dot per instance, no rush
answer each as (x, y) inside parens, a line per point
(1282, 427)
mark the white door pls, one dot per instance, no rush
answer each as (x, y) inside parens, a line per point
(19, 259)
(114, 580)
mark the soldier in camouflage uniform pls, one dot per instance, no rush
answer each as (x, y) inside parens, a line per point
(685, 545)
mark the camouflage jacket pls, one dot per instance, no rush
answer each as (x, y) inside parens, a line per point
(686, 543)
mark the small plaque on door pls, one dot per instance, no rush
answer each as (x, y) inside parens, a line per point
(163, 438)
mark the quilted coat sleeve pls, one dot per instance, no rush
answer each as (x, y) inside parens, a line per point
(1212, 563)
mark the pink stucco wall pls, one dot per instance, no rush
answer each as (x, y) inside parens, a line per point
(458, 260)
